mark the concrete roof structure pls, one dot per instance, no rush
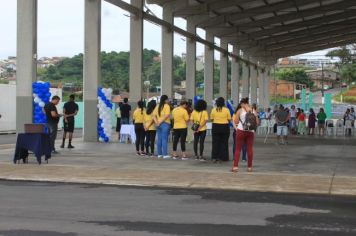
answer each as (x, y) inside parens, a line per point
(271, 29)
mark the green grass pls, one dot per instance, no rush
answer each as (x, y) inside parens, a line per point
(347, 99)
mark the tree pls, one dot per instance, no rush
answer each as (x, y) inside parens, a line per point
(296, 75)
(347, 64)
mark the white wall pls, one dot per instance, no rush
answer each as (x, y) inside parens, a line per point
(7, 107)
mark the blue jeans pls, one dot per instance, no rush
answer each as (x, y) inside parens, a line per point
(125, 120)
(162, 139)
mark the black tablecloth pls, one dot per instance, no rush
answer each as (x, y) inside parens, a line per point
(39, 144)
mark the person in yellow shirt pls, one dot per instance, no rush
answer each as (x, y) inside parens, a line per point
(180, 119)
(138, 119)
(220, 117)
(150, 128)
(199, 117)
(161, 116)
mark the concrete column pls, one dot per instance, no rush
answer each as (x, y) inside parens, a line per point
(167, 53)
(235, 76)
(266, 88)
(191, 62)
(253, 84)
(136, 51)
(26, 61)
(91, 71)
(209, 70)
(260, 94)
(223, 70)
(245, 79)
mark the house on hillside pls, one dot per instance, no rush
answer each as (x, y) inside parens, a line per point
(287, 89)
(329, 78)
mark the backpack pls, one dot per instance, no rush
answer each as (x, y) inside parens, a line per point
(250, 123)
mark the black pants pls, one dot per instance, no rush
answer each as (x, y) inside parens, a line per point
(179, 134)
(220, 149)
(199, 137)
(140, 136)
(52, 128)
(150, 141)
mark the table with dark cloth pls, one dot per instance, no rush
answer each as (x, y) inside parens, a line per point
(39, 144)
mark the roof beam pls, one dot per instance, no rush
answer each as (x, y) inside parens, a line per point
(208, 6)
(300, 36)
(308, 48)
(291, 16)
(324, 39)
(252, 12)
(285, 28)
(325, 29)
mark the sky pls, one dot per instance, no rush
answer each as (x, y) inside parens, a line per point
(61, 30)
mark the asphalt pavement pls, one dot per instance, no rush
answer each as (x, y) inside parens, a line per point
(54, 209)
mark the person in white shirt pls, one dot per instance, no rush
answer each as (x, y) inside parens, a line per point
(293, 120)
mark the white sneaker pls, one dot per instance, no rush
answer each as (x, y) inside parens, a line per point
(167, 157)
(160, 156)
(185, 158)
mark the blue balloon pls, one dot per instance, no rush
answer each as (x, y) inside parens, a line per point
(106, 139)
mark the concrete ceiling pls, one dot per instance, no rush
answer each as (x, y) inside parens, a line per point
(271, 29)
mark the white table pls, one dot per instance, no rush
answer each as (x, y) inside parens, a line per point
(128, 131)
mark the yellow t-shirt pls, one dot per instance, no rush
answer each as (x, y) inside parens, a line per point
(166, 110)
(138, 115)
(200, 117)
(220, 117)
(147, 121)
(180, 117)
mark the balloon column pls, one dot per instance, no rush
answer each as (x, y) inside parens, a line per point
(231, 109)
(41, 96)
(105, 111)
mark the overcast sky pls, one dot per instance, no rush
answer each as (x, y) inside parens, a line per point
(61, 29)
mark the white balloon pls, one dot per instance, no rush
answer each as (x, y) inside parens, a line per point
(41, 104)
(36, 100)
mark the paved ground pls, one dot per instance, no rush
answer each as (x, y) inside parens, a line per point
(52, 209)
(11, 138)
(306, 165)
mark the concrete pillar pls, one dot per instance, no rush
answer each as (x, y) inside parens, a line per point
(223, 70)
(235, 76)
(260, 88)
(91, 71)
(209, 70)
(266, 88)
(167, 53)
(136, 51)
(245, 79)
(191, 62)
(26, 61)
(253, 83)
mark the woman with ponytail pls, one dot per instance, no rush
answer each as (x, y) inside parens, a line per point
(138, 119)
(162, 118)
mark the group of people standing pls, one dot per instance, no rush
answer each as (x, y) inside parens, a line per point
(159, 119)
(293, 120)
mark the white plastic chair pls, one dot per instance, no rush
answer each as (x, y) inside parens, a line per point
(270, 124)
(209, 126)
(329, 127)
(348, 125)
(263, 127)
(339, 127)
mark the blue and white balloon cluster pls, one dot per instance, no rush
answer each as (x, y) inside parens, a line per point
(41, 96)
(105, 113)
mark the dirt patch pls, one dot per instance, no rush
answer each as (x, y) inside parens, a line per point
(351, 92)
